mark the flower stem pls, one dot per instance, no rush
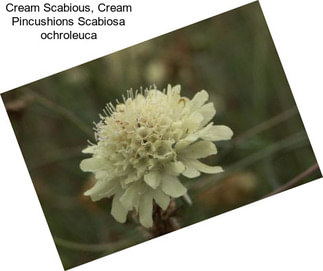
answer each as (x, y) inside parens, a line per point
(296, 180)
(164, 221)
(61, 111)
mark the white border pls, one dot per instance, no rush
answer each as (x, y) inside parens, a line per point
(24, 53)
(283, 232)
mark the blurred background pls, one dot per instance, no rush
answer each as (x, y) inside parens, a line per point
(233, 57)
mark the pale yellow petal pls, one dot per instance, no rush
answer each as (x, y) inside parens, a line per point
(198, 150)
(208, 112)
(176, 89)
(152, 179)
(172, 186)
(90, 149)
(191, 172)
(146, 209)
(131, 196)
(192, 123)
(102, 189)
(118, 211)
(181, 144)
(216, 133)
(132, 176)
(199, 99)
(203, 167)
(161, 199)
(92, 164)
(174, 168)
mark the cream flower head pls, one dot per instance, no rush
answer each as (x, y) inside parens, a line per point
(145, 143)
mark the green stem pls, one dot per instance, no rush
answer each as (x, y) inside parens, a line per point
(297, 179)
(61, 111)
(296, 139)
(106, 248)
(272, 122)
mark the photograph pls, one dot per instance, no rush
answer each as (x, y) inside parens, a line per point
(161, 135)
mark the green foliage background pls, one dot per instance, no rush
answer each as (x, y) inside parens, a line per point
(233, 57)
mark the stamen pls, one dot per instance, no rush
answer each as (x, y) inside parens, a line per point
(90, 143)
(130, 93)
(112, 106)
(105, 112)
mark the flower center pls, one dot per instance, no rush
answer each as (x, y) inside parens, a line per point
(140, 133)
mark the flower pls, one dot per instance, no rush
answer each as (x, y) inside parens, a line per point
(145, 143)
